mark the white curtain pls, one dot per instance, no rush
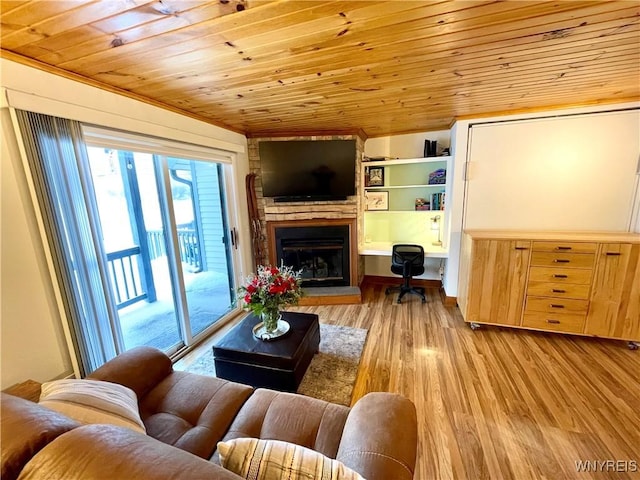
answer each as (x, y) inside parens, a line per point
(58, 161)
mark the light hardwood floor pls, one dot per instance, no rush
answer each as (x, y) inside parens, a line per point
(497, 403)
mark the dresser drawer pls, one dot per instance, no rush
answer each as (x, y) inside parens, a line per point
(556, 322)
(580, 276)
(556, 305)
(558, 290)
(565, 247)
(568, 260)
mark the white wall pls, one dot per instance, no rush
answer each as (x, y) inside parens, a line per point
(410, 145)
(459, 137)
(33, 345)
(562, 173)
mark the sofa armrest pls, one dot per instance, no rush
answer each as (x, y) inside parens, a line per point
(140, 369)
(106, 451)
(380, 437)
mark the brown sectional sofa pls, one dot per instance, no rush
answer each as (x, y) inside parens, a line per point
(186, 415)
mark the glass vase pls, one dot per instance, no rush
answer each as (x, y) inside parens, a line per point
(270, 320)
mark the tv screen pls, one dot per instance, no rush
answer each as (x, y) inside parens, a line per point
(301, 170)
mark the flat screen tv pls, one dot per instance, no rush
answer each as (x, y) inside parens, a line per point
(300, 170)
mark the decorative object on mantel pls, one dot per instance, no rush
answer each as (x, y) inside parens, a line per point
(270, 289)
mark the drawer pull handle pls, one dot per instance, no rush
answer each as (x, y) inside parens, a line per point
(555, 305)
(553, 321)
(522, 248)
(557, 290)
(561, 260)
(563, 248)
(613, 254)
(558, 275)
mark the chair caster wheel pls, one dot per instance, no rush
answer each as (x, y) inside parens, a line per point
(474, 326)
(399, 301)
(424, 300)
(633, 345)
(387, 291)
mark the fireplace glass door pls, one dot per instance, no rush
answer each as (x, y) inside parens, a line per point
(320, 253)
(319, 263)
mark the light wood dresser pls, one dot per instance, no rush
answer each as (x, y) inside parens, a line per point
(577, 283)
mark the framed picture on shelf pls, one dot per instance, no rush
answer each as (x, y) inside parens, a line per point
(376, 177)
(376, 201)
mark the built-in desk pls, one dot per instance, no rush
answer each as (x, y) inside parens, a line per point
(377, 261)
(383, 249)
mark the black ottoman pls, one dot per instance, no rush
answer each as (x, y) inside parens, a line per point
(278, 364)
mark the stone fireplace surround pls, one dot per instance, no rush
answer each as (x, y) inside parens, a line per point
(343, 212)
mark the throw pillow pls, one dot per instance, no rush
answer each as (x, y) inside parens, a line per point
(256, 459)
(93, 401)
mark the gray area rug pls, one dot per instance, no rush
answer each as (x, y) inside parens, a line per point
(332, 373)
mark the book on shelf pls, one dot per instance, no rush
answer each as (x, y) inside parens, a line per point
(438, 177)
(437, 201)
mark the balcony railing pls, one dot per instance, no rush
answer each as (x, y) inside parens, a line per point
(125, 269)
(188, 245)
(125, 277)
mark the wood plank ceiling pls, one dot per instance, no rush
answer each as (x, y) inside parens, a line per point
(377, 67)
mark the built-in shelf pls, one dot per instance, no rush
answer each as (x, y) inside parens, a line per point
(420, 212)
(407, 181)
(402, 161)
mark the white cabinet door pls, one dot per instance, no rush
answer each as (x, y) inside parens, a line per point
(564, 173)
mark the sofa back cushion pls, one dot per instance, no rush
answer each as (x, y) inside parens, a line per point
(26, 429)
(192, 412)
(292, 418)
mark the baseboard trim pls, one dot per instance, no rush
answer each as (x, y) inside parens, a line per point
(449, 301)
(418, 282)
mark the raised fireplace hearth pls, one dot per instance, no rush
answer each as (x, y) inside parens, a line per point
(322, 249)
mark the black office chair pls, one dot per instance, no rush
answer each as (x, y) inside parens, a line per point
(408, 261)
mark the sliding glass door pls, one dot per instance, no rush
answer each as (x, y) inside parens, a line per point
(200, 220)
(164, 229)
